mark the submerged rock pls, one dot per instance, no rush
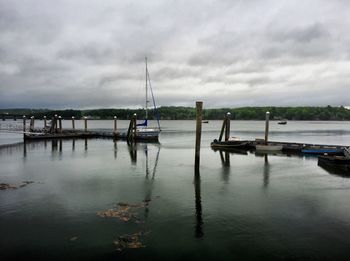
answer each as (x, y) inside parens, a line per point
(4, 186)
(73, 238)
(123, 211)
(132, 241)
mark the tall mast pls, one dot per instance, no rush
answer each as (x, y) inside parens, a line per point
(146, 90)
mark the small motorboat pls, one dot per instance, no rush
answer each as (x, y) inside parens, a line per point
(231, 144)
(320, 150)
(339, 165)
(282, 122)
(334, 160)
(268, 147)
(205, 121)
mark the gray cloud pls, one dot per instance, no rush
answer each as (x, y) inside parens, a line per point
(227, 53)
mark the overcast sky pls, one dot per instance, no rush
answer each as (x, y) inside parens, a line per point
(90, 54)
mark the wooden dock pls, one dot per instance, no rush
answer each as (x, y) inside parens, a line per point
(55, 131)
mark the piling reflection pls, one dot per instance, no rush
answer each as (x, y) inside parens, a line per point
(115, 149)
(132, 147)
(225, 161)
(266, 168)
(24, 150)
(266, 171)
(198, 203)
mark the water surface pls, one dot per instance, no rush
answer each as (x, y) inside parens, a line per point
(242, 206)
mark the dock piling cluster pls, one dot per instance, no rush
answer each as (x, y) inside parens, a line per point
(225, 127)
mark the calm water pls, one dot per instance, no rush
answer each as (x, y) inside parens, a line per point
(244, 207)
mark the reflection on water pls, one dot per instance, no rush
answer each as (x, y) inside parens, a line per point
(229, 207)
(338, 170)
(199, 219)
(266, 171)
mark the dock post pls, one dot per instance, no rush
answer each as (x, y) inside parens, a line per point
(73, 124)
(199, 106)
(60, 123)
(85, 123)
(134, 127)
(131, 134)
(115, 123)
(267, 127)
(223, 129)
(128, 135)
(45, 125)
(31, 125)
(227, 133)
(24, 124)
(55, 124)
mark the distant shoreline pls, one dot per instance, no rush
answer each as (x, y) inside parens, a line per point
(327, 113)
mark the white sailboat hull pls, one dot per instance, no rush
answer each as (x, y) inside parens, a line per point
(147, 133)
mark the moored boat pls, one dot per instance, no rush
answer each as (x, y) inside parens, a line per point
(268, 147)
(334, 160)
(143, 131)
(319, 150)
(338, 165)
(231, 144)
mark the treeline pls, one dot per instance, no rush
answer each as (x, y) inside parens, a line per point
(189, 113)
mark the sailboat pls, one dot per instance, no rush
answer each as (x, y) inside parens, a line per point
(143, 131)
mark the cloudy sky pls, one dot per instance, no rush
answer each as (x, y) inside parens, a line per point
(90, 54)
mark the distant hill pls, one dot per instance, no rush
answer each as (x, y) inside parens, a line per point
(188, 113)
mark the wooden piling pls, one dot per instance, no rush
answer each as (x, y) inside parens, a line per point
(131, 134)
(134, 127)
(73, 124)
(55, 124)
(267, 118)
(199, 106)
(45, 123)
(227, 132)
(85, 123)
(31, 126)
(115, 123)
(223, 129)
(60, 123)
(24, 124)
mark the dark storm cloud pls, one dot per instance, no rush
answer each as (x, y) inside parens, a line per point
(227, 53)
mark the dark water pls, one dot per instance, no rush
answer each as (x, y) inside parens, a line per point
(244, 207)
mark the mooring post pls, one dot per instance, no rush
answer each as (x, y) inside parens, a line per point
(45, 122)
(60, 123)
(85, 123)
(227, 133)
(55, 123)
(223, 129)
(131, 134)
(128, 135)
(199, 106)
(31, 126)
(24, 124)
(115, 123)
(134, 127)
(73, 124)
(267, 127)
